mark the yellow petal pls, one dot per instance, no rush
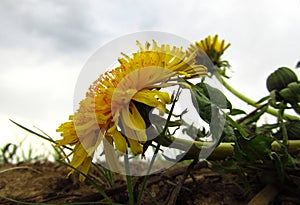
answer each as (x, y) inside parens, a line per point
(131, 118)
(110, 156)
(119, 141)
(149, 97)
(141, 135)
(79, 156)
(91, 143)
(129, 133)
(85, 168)
(152, 75)
(135, 146)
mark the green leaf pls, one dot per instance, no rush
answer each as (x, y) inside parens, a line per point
(237, 112)
(228, 134)
(205, 97)
(33, 132)
(217, 97)
(201, 103)
(209, 101)
(256, 148)
(254, 117)
(292, 128)
(263, 99)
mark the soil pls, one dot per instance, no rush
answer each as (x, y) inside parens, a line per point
(46, 182)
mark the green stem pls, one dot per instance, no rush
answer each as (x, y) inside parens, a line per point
(252, 102)
(139, 200)
(223, 150)
(237, 126)
(283, 128)
(129, 180)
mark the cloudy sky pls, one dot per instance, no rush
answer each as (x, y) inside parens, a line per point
(45, 44)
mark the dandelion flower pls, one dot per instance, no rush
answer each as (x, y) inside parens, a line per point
(214, 49)
(110, 108)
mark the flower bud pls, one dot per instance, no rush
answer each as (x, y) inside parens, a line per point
(280, 79)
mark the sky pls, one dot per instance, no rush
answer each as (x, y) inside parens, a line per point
(45, 44)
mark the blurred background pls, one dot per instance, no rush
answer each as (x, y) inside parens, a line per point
(45, 44)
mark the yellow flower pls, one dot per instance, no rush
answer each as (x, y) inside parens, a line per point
(214, 49)
(110, 109)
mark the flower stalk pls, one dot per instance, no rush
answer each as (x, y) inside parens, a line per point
(222, 151)
(253, 103)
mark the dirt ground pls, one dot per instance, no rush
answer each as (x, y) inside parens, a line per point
(46, 182)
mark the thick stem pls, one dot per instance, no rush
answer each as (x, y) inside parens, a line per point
(252, 102)
(223, 150)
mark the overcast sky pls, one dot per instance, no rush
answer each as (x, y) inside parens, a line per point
(45, 44)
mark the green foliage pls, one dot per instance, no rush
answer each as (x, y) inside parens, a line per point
(292, 128)
(253, 117)
(254, 148)
(210, 103)
(235, 111)
(206, 98)
(253, 141)
(12, 153)
(8, 153)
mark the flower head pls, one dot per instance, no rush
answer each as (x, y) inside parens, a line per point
(214, 49)
(110, 109)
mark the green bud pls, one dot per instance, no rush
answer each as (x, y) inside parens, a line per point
(291, 93)
(280, 79)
